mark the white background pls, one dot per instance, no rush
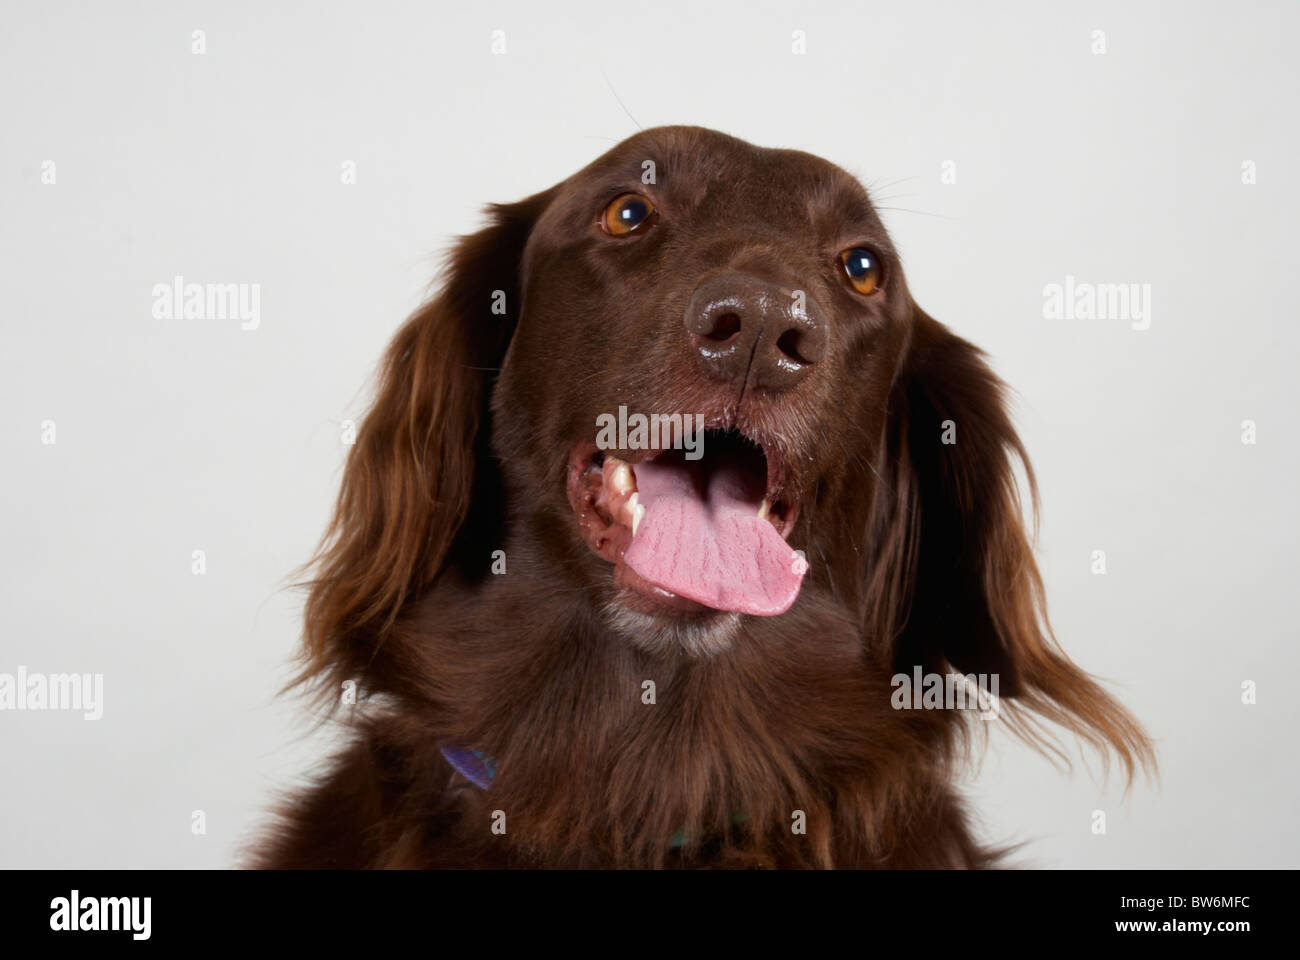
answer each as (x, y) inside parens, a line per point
(180, 435)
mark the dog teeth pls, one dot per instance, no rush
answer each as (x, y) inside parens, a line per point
(763, 508)
(621, 478)
(618, 494)
(631, 513)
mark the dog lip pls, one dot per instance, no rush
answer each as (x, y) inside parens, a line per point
(607, 511)
(777, 480)
(587, 463)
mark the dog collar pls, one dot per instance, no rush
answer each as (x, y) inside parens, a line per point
(474, 765)
(480, 769)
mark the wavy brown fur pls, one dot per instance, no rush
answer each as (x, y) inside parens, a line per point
(919, 557)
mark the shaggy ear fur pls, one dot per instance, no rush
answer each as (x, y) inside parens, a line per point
(420, 461)
(955, 584)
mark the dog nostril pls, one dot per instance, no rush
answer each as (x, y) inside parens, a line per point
(725, 326)
(789, 343)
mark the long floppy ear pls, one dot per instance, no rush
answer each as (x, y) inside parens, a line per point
(420, 454)
(955, 585)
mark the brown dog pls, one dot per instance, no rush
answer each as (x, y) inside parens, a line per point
(578, 643)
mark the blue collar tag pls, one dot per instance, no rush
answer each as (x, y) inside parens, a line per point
(475, 765)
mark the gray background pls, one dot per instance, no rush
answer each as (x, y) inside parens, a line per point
(181, 435)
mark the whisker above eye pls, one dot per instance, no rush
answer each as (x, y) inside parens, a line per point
(919, 213)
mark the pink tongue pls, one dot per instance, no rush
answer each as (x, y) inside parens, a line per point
(701, 538)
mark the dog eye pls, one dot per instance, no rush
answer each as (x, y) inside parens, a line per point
(862, 268)
(627, 213)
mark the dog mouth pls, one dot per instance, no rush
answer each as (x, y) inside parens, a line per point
(693, 530)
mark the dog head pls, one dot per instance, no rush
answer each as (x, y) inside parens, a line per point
(689, 385)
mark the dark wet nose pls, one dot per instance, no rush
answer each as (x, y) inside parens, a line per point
(743, 326)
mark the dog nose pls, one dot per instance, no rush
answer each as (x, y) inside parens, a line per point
(743, 326)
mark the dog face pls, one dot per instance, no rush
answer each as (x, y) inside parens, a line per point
(752, 292)
(857, 472)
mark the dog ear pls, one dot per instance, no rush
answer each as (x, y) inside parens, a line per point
(955, 585)
(421, 452)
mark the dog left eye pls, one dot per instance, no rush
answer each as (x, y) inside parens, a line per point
(862, 268)
(627, 213)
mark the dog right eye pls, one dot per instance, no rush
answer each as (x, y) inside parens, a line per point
(627, 213)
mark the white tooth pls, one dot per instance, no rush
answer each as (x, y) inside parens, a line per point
(621, 478)
(763, 508)
(638, 512)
